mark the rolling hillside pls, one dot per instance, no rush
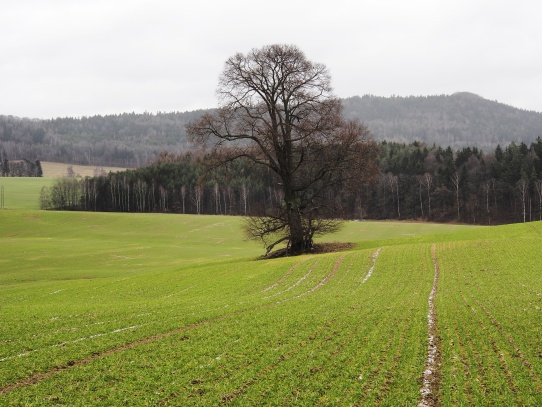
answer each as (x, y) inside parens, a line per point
(131, 139)
(124, 309)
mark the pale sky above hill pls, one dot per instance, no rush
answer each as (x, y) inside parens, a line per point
(86, 57)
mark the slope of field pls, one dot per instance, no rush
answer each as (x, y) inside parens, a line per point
(120, 309)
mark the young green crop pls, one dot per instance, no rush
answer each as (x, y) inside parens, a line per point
(491, 317)
(255, 338)
(122, 309)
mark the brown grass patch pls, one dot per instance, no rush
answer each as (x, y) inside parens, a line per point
(57, 170)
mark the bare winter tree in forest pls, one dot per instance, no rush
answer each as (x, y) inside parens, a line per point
(456, 180)
(486, 186)
(244, 197)
(393, 180)
(140, 189)
(198, 196)
(428, 182)
(420, 184)
(538, 186)
(216, 191)
(277, 109)
(523, 188)
(183, 196)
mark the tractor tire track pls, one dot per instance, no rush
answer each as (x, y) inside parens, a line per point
(326, 279)
(232, 395)
(370, 272)
(276, 283)
(431, 374)
(40, 376)
(380, 370)
(297, 282)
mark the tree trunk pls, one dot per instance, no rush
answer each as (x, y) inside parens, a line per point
(456, 181)
(421, 199)
(296, 242)
(183, 195)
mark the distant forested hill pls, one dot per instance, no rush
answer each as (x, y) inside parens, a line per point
(458, 120)
(125, 140)
(132, 140)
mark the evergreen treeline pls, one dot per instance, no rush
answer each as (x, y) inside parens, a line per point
(465, 185)
(416, 181)
(134, 140)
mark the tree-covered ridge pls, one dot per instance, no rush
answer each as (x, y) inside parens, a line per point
(132, 139)
(458, 120)
(127, 139)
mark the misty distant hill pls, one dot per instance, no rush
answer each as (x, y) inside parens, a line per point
(461, 119)
(131, 139)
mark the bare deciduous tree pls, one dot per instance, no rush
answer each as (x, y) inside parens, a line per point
(486, 186)
(523, 188)
(244, 197)
(456, 180)
(277, 109)
(428, 182)
(420, 184)
(393, 181)
(538, 186)
(183, 196)
(198, 196)
(216, 192)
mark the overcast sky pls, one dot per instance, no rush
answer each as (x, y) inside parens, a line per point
(85, 57)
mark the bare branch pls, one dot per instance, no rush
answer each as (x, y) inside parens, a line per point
(277, 109)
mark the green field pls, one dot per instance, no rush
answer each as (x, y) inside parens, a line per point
(152, 309)
(22, 192)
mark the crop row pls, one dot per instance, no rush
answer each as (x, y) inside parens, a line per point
(351, 328)
(321, 334)
(490, 323)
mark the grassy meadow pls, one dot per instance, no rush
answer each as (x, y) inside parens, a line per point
(154, 309)
(24, 192)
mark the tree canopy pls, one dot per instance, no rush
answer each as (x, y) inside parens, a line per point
(277, 109)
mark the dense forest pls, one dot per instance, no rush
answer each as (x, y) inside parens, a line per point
(134, 140)
(414, 181)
